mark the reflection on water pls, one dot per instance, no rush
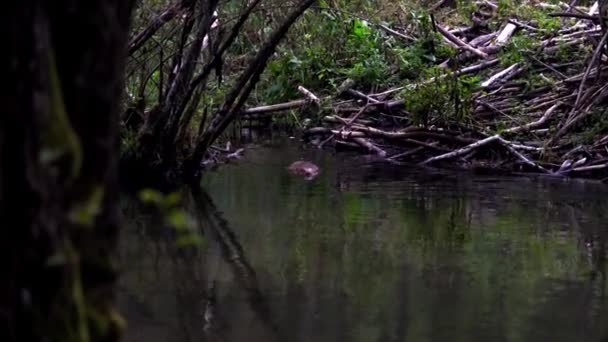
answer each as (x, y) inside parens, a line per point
(370, 253)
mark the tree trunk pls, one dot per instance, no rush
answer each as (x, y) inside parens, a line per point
(58, 175)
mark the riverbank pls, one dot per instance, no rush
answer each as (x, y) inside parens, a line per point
(523, 90)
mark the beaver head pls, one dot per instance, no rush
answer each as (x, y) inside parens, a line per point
(304, 168)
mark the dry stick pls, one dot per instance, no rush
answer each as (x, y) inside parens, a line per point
(596, 54)
(406, 153)
(464, 71)
(574, 15)
(506, 33)
(356, 116)
(499, 75)
(490, 4)
(577, 78)
(579, 117)
(436, 5)
(462, 151)
(525, 147)
(559, 73)
(596, 94)
(594, 8)
(309, 94)
(492, 108)
(460, 43)
(396, 33)
(478, 41)
(365, 143)
(360, 95)
(155, 24)
(522, 157)
(526, 26)
(590, 168)
(556, 48)
(322, 143)
(571, 119)
(534, 124)
(432, 146)
(339, 119)
(461, 30)
(347, 134)
(365, 130)
(275, 107)
(550, 102)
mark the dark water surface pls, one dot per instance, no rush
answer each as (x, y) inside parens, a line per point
(369, 252)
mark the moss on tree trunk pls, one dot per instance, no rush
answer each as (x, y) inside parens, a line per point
(58, 151)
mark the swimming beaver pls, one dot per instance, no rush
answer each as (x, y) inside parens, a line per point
(304, 168)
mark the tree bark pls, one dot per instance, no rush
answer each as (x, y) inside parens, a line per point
(58, 180)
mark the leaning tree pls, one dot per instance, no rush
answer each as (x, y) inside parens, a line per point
(172, 58)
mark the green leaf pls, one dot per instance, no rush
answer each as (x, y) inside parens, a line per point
(178, 219)
(361, 29)
(189, 240)
(150, 196)
(85, 213)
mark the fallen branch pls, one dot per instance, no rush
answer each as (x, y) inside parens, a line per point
(499, 75)
(276, 107)
(312, 97)
(462, 151)
(590, 168)
(534, 124)
(521, 157)
(371, 147)
(506, 34)
(460, 43)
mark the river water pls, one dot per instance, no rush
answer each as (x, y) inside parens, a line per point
(369, 252)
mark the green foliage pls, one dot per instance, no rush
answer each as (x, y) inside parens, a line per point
(545, 22)
(465, 9)
(446, 99)
(505, 8)
(175, 216)
(515, 50)
(334, 45)
(368, 63)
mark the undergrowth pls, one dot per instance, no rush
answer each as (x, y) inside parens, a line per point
(343, 40)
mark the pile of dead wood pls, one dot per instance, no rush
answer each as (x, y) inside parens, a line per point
(545, 130)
